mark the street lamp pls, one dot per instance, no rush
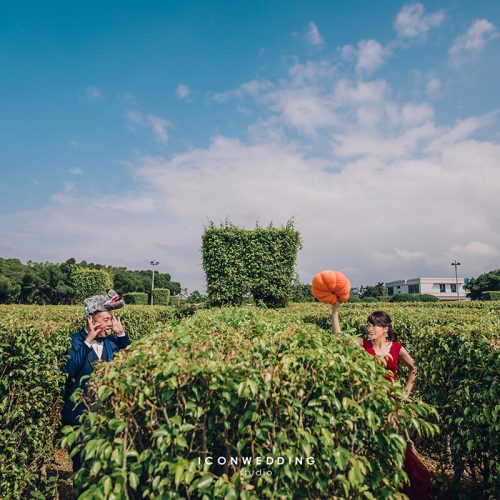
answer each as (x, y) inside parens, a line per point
(456, 264)
(153, 263)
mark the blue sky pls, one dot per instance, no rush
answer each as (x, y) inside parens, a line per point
(125, 126)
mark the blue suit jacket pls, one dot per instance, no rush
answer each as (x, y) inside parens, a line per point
(80, 359)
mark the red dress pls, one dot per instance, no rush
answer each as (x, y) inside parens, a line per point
(419, 487)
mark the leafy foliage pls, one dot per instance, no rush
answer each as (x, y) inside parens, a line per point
(414, 297)
(260, 262)
(138, 298)
(33, 344)
(242, 382)
(378, 290)
(88, 282)
(161, 296)
(456, 349)
(48, 283)
(495, 295)
(487, 282)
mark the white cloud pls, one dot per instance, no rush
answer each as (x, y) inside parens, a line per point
(182, 91)
(361, 92)
(468, 46)
(158, 126)
(311, 71)
(462, 130)
(303, 109)
(313, 35)
(382, 216)
(415, 114)
(412, 22)
(475, 249)
(75, 171)
(93, 94)
(370, 54)
(433, 86)
(252, 88)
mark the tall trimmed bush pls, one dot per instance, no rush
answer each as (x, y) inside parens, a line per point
(88, 282)
(139, 298)
(240, 262)
(161, 296)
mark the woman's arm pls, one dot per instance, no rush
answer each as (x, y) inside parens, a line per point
(335, 318)
(336, 322)
(408, 361)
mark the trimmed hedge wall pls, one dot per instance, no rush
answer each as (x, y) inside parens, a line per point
(33, 344)
(88, 282)
(261, 262)
(137, 298)
(241, 382)
(161, 296)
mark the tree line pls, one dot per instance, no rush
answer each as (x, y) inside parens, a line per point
(49, 283)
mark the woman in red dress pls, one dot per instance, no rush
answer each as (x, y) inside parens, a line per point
(383, 343)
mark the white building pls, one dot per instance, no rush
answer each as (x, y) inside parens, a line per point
(442, 288)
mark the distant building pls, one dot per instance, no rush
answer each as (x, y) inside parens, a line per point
(442, 288)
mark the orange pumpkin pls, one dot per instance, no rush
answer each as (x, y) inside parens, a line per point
(329, 286)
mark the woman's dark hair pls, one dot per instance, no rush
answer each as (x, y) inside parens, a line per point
(380, 318)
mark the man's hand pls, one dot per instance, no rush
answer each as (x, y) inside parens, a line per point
(117, 327)
(92, 330)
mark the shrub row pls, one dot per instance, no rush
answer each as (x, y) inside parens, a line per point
(234, 383)
(490, 295)
(456, 350)
(33, 343)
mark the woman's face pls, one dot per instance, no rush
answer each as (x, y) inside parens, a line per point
(376, 332)
(102, 323)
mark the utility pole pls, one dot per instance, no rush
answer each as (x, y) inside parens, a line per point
(153, 263)
(456, 264)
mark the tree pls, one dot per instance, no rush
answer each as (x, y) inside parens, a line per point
(300, 292)
(378, 290)
(487, 282)
(196, 297)
(12, 271)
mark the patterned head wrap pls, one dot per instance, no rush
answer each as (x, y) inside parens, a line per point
(100, 303)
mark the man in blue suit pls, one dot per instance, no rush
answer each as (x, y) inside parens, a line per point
(103, 336)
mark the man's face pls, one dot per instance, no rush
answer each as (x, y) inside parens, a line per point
(102, 323)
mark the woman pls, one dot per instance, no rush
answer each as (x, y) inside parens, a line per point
(383, 343)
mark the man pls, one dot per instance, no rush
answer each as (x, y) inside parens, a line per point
(103, 336)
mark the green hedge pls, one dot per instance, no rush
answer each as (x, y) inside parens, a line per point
(456, 349)
(161, 296)
(240, 382)
(412, 297)
(239, 262)
(137, 298)
(490, 295)
(33, 344)
(88, 282)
